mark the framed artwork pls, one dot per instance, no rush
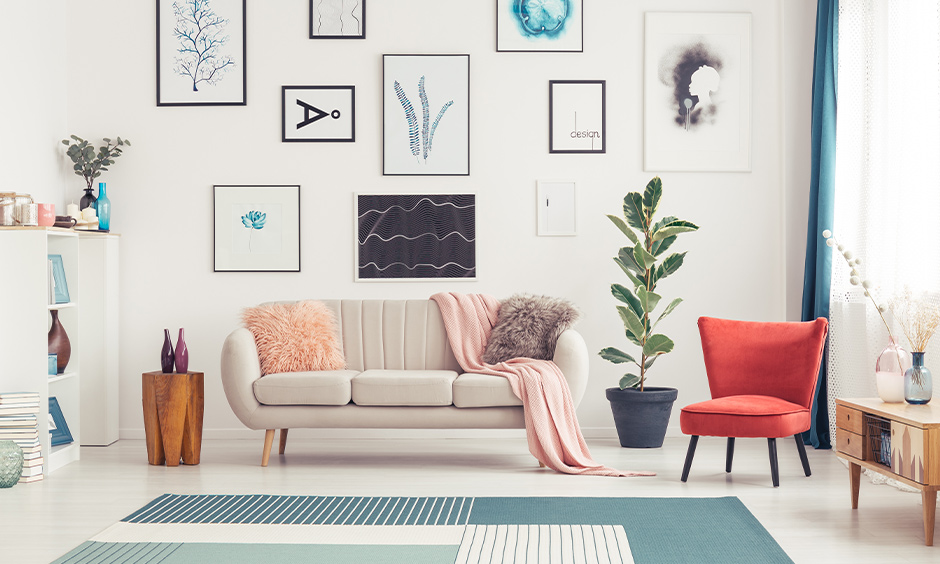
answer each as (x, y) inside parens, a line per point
(556, 209)
(415, 237)
(545, 25)
(697, 112)
(337, 19)
(257, 228)
(60, 285)
(201, 53)
(577, 116)
(58, 429)
(318, 114)
(426, 113)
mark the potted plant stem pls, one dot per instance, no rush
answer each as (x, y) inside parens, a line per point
(641, 413)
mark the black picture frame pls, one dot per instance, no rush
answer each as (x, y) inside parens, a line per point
(229, 201)
(168, 95)
(61, 434)
(324, 122)
(511, 39)
(573, 100)
(449, 70)
(315, 10)
(61, 288)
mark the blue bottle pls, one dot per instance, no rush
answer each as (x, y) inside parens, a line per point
(104, 207)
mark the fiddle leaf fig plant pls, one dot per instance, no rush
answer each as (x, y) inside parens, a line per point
(88, 164)
(643, 263)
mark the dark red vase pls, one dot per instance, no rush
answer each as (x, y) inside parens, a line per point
(166, 355)
(182, 354)
(59, 343)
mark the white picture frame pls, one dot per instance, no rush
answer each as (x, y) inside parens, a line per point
(414, 237)
(557, 208)
(256, 228)
(697, 92)
(426, 115)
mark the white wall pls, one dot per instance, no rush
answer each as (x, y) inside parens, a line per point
(33, 95)
(161, 188)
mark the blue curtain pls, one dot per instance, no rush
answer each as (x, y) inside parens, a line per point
(818, 269)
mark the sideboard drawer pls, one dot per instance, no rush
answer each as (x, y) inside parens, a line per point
(907, 451)
(849, 419)
(849, 443)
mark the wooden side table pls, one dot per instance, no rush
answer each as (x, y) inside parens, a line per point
(899, 440)
(173, 406)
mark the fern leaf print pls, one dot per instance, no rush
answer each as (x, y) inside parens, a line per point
(412, 120)
(437, 121)
(425, 117)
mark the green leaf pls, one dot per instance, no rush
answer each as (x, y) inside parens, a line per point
(651, 196)
(636, 281)
(632, 322)
(632, 338)
(669, 265)
(625, 255)
(672, 305)
(649, 300)
(650, 361)
(126, 142)
(624, 228)
(643, 259)
(673, 228)
(106, 140)
(627, 297)
(659, 247)
(633, 211)
(629, 381)
(65, 141)
(616, 356)
(658, 344)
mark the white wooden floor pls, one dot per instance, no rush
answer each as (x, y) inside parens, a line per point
(810, 517)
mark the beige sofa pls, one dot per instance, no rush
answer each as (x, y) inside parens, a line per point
(400, 373)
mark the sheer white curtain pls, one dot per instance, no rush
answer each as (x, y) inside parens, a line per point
(887, 196)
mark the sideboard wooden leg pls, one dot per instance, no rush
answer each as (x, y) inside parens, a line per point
(855, 478)
(268, 441)
(930, 513)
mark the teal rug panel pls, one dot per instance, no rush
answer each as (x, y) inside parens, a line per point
(189, 553)
(660, 530)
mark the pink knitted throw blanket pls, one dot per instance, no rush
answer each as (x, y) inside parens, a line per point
(551, 424)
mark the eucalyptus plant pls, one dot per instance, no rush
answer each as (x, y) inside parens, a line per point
(88, 164)
(644, 266)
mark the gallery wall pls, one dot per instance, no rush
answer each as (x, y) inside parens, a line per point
(739, 264)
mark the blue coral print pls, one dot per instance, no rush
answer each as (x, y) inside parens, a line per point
(253, 220)
(541, 18)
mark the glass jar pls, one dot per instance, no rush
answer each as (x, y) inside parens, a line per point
(889, 372)
(918, 387)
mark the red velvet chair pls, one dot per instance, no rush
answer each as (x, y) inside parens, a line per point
(762, 378)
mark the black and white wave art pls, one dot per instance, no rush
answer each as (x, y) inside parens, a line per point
(416, 236)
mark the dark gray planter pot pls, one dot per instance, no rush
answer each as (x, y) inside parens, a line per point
(642, 417)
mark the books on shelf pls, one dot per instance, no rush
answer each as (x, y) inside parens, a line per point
(19, 423)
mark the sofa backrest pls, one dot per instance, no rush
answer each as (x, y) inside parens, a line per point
(393, 335)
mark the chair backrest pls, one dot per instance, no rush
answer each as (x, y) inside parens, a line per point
(757, 358)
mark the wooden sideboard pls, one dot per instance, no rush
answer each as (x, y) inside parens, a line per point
(899, 440)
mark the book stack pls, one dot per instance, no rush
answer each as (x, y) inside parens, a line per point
(19, 423)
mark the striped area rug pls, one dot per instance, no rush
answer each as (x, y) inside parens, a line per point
(413, 530)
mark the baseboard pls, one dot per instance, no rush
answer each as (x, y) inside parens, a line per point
(236, 434)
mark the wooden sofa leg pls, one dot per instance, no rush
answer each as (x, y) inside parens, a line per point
(283, 443)
(268, 441)
(541, 464)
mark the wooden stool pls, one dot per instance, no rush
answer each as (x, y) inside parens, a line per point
(173, 406)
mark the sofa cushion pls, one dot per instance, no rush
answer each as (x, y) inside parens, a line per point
(295, 337)
(323, 387)
(528, 327)
(403, 387)
(483, 390)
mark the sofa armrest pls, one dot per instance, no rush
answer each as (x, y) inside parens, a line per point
(571, 356)
(240, 369)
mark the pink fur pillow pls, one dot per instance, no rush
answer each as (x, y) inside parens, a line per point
(295, 337)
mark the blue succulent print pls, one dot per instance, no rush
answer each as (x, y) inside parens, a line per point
(541, 17)
(253, 220)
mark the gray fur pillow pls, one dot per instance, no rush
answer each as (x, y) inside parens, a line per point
(528, 326)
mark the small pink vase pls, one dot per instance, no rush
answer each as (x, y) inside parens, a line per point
(182, 355)
(889, 372)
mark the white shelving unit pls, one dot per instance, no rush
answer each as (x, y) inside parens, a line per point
(25, 320)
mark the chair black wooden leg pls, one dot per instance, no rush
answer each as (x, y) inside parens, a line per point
(729, 455)
(688, 458)
(802, 449)
(774, 471)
